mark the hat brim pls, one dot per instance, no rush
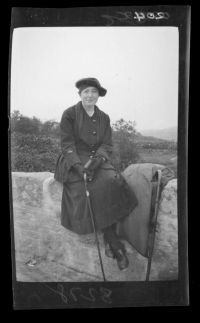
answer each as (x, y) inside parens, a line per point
(102, 91)
(87, 83)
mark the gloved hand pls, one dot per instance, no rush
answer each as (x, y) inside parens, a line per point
(86, 169)
(96, 163)
(79, 169)
(90, 174)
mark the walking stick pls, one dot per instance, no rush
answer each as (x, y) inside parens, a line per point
(153, 222)
(93, 223)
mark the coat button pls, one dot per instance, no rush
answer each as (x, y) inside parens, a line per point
(94, 120)
(94, 133)
(93, 151)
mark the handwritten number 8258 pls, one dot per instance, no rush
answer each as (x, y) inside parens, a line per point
(105, 294)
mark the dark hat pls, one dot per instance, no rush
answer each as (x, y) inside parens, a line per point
(90, 81)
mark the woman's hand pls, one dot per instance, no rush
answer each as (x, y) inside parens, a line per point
(80, 170)
(96, 163)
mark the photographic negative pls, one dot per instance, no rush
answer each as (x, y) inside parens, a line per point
(96, 146)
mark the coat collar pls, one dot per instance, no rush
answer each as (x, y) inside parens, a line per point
(79, 105)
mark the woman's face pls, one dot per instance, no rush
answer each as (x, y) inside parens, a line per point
(89, 96)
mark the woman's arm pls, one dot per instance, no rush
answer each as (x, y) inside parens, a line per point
(105, 149)
(67, 138)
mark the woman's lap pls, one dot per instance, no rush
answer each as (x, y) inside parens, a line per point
(105, 198)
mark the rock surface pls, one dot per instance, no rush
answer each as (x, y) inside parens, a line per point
(165, 256)
(46, 251)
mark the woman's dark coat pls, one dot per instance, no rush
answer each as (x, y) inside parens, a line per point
(83, 136)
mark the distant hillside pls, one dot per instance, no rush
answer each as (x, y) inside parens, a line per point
(139, 138)
(153, 142)
(166, 134)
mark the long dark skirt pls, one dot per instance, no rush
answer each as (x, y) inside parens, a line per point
(110, 197)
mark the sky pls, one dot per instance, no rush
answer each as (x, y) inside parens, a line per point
(137, 65)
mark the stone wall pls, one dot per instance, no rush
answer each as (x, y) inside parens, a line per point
(165, 256)
(45, 251)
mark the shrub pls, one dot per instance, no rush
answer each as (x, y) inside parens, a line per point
(35, 145)
(31, 153)
(124, 150)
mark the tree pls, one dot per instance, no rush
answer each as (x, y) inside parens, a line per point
(51, 127)
(22, 124)
(15, 117)
(26, 125)
(125, 127)
(125, 152)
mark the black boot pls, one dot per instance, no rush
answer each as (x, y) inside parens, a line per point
(122, 260)
(108, 251)
(114, 248)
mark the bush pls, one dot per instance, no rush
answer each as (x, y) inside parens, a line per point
(35, 145)
(31, 153)
(124, 151)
